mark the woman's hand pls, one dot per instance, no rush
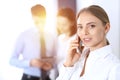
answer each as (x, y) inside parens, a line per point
(73, 56)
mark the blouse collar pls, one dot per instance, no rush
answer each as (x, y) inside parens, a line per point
(101, 51)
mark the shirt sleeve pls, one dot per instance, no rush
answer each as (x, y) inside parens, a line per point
(15, 58)
(65, 73)
(115, 73)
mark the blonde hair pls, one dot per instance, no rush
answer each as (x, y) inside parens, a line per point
(97, 11)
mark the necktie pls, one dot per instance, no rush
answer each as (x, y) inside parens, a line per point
(43, 48)
(86, 56)
(43, 55)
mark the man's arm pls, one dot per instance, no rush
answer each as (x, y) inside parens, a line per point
(14, 60)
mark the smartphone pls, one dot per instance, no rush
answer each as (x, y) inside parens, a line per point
(79, 49)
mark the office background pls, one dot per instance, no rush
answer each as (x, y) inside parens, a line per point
(15, 17)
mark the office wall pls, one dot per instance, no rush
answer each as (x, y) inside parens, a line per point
(67, 3)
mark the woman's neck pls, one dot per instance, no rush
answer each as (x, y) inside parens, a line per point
(99, 45)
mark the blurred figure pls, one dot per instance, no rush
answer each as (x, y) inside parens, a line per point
(29, 45)
(66, 25)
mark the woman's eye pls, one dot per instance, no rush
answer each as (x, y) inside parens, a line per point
(79, 27)
(92, 26)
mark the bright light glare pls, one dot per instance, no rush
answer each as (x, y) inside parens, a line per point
(15, 17)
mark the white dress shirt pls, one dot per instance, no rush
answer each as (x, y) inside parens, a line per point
(28, 44)
(101, 65)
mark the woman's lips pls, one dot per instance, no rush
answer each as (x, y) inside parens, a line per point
(86, 40)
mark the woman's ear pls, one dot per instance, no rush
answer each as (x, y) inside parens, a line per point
(107, 28)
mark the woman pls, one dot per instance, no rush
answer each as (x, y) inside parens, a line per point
(66, 24)
(66, 27)
(99, 63)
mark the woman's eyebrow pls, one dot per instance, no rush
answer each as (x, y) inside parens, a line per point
(91, 23)
(79, 24)
(87, 23)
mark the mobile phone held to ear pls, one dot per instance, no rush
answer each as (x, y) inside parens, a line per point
(80, 48)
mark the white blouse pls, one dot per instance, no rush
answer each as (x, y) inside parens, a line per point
(101, 65)
(62, 48)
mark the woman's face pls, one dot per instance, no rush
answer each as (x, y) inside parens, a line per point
(63, 24)
(91, 30)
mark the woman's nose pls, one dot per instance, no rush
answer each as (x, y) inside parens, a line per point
(84, 31)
